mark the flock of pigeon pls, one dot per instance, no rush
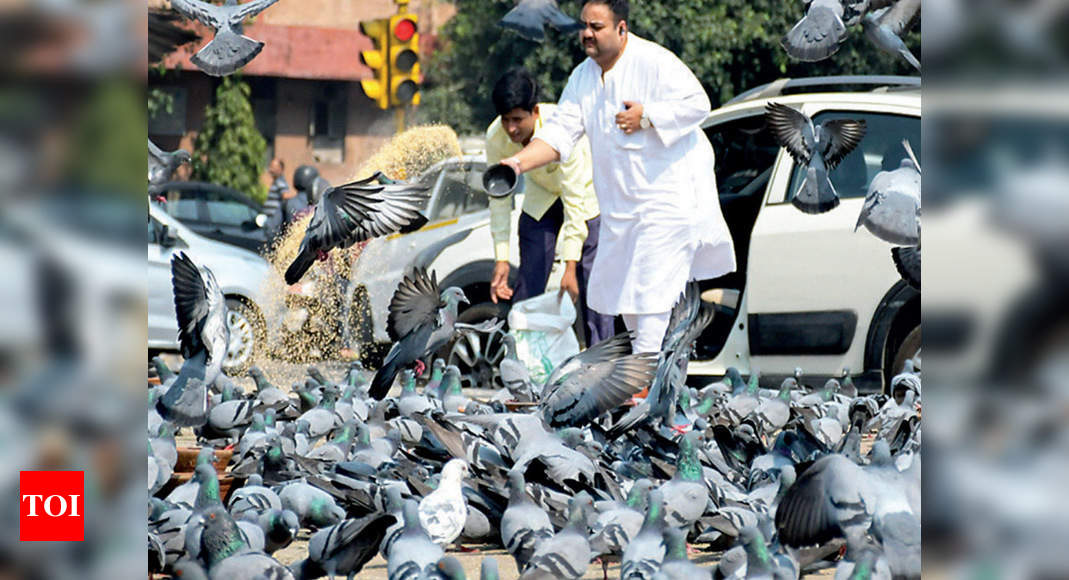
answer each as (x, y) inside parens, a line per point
(565, 475)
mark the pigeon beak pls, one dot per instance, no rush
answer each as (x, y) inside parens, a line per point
(464, 298)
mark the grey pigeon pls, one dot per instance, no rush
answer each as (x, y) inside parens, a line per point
(818, 34)
(355, 212)
(411, 403)
(892, 206)
(420, 321)
(524, 524)
(530, 17)
(818, 148)
(685, 495)
(229, 50)
(567, 555)
(229, 556)
(161, 165)
(187, 492)
(442, 512)
(253, 498)
(617, 525)
(203, 336)
(885, 34)
(280, 528)
(594, 381)
(343, 548)
(676, 565)
(413, 552)
(643, 556)
(314, 507)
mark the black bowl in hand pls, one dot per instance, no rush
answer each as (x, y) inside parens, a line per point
(500, 180)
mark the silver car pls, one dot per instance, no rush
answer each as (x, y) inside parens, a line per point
(241, 275)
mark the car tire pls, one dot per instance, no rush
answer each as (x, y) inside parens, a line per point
(905, 348)
(247, 336)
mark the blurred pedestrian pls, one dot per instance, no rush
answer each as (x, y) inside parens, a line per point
(661, 224)
(560, 210)
(297, 202)
(275, 190)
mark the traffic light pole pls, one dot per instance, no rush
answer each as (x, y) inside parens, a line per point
(399, 115)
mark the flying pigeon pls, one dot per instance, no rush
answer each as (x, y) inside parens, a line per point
(884, 27)
(818, 34)
(420, 322)
(229, 50)
(355, 212)
(162, 164)
(818, 148)
(203, 336)
(892, 206)
(530, 17)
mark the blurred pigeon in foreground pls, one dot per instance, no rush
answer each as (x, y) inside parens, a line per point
(530, 17)
(352, 213)
(818, 34)
(162, 164)
(893, 205)
(420, 321)
(203, 335)
(883, 29)
(819, 148)
(229, 50)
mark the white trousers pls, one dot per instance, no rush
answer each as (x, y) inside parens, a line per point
(649, 329)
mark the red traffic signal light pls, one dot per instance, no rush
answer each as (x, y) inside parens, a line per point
(404, 28)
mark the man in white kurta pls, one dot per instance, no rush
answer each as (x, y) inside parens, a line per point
(653, 172)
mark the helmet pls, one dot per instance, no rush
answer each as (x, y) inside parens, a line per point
(304, 176)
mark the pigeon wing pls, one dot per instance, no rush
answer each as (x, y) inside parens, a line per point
(249, 9)
(609, 349)
(204, 12)
(559, 20)
(156, 159)
(812, 510)
(390, 208)
(524, 20)
(190, 303)
(843, 136)
(415, 303)
(586, 394)
(787, 125)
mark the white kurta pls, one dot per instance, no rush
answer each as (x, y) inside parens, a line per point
(661, 223)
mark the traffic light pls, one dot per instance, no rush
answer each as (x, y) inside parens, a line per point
(377, 88)
(404, 59)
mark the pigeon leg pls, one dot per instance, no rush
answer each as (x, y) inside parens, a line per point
(420, 367)
(605, 568)
(322, 256)
(681, 429)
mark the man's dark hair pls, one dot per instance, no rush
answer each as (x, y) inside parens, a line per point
(516, 89)
(621, 9)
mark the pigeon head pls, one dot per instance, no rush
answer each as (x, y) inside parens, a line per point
(455, 470)
(453, 296)
(206, 455)
(637, 496)
(182, 156)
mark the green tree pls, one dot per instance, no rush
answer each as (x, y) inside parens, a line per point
(229, 150)
(731, 45)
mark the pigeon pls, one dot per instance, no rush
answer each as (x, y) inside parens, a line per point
(643, 555)
(442, 513)
(685, 495)
(617, 525)
(161, 165)
(489, 570)
(883, 29)
(818, 34)
(355, 212)
(343, 548)
(676, 565)
(413, 552)
(228, 554)
(186, 494)
(253, 498)
(530, 17)
(600, 378)
(280, 529)
(203, 336)
(420, 322)
(229, 50)
(524, 524)
(819, 149)
(892, 205)
(567, 555)
(908, 263)
(314, 507)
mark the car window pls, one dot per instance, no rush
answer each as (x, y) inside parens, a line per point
(228, 212)
(182, 205)
(745, 151)
(880, 150)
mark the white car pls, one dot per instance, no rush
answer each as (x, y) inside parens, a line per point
(810, 292)
(240, 274)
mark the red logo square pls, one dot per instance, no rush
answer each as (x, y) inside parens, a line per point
(51, 506)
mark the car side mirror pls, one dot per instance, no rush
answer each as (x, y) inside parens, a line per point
(260, 220)
(167, 238)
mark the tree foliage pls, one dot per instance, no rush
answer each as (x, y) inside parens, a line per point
(731, 45)
(229, 150)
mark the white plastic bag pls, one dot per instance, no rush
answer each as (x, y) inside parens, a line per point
(542, 327)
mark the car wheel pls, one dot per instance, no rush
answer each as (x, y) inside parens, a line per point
(478, 354)
(246, 336)
(907, 348)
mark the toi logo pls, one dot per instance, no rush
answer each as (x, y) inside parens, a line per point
(51, 506)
